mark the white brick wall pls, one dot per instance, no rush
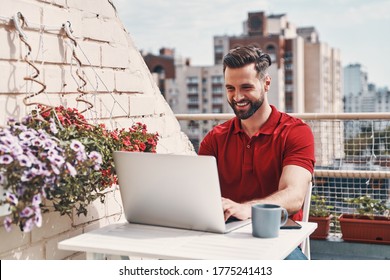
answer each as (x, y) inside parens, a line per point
(101, 8)
(54, 16)
(32, 11)
(115, 72)
(12, 49)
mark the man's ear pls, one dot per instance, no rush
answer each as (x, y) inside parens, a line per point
(267, 83)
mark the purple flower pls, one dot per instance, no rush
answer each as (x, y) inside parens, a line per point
(27, 176)
(36, 200)
(7, 139)
(17, 150)
(32, 157)
(28, 225)
(55, 169)
(52, 152)
(21, 127)
(7, 224)
(26, 212)
(76, 146)
(40, 169)
(26, 119)
(11, 198)
(49, 144)
(57, 160)
(25, 143)
(81, 156)
(53, 127)
(4, 149)
(24, 160)
(71, 169)
(49, 181)
(38, 217)
(11, 120)
(6, 159)
(96, 157)
(26, 135)
(37, 142)
(42, 134)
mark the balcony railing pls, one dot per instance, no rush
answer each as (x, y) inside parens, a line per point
(352, 155)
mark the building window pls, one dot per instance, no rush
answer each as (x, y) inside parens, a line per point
(289, 102)
(218, 58)
(217, 90)
(217, 100)
(193, 100)
(218, 49)
(192, 89)
(217, 79)
(289, 77)
(271, 50)
(288, 56)
(289, 88)
(192, 80)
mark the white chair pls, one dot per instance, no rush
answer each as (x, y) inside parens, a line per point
(305, 246)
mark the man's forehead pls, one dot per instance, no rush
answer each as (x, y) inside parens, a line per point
(242, 72)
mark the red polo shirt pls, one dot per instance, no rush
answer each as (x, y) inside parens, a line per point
(250, 168)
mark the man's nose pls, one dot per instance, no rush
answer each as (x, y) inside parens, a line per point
(238, 95)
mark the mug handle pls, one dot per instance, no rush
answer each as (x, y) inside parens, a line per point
(284, 217)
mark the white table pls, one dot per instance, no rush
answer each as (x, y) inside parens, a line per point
(155, 242)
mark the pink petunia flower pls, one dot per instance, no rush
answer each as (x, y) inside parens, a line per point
(7, 224)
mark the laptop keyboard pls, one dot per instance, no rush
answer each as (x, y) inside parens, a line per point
(231, 219)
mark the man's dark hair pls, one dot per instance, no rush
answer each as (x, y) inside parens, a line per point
(242, 56)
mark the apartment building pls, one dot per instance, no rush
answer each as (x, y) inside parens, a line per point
(382, 103)
(362, 96)
(356, 89)
(306, 73)
(189, 89)
(303, 67)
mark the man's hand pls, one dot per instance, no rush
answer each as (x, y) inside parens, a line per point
(237, 210)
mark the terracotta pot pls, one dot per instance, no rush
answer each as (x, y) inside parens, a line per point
(323, 226)
(365, 229)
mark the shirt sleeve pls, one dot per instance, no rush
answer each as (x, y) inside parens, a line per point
(206, 146)
(299, 149)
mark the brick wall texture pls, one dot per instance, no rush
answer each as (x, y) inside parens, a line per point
(119, 85)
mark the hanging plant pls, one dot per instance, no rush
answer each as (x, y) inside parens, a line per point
(58, 156)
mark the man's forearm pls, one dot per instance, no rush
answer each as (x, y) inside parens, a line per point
(285, 198)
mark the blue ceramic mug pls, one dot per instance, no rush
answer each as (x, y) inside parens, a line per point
(267, 220)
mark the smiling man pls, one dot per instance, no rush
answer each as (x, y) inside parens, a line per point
(263, 155)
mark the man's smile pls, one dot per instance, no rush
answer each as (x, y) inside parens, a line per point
(241, 103)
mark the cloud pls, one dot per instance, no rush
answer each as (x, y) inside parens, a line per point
(368, 11)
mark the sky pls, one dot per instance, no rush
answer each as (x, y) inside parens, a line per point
(360, 29)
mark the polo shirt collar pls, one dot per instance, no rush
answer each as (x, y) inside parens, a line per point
(268, 127)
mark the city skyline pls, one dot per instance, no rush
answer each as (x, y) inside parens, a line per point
(356, 27)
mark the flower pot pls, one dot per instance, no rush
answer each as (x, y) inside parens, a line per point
(365, 229)
(323, 226)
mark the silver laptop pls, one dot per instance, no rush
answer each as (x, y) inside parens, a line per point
(180, 191)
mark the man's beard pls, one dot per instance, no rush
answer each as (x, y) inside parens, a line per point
(253, 107)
